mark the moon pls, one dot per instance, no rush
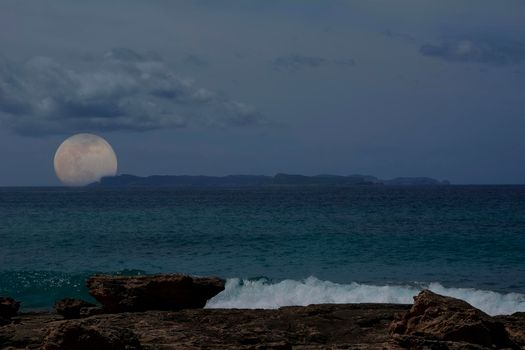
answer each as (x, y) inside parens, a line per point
(83, 159)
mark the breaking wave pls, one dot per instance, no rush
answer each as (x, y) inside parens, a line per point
(264, 294)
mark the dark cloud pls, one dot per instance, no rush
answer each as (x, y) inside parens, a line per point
(122, 90)
(487, 51)
(294, 62)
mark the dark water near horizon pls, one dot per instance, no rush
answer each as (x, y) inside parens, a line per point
(276, 245)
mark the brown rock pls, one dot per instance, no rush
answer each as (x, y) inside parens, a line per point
(515, 326)
(80, 336)
(440, 318)
(157, 292)
(91, 311)
(8, 307)
(71, 308)
(314, 327)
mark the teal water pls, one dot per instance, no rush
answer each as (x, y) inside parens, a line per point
(287, 245)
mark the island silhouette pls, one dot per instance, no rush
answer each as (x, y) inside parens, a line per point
(280, 179)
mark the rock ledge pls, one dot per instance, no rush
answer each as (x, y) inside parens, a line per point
(437, 318)
(153, 292)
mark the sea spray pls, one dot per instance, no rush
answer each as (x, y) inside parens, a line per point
(263, 294)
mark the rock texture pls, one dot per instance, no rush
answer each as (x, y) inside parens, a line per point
(157, 292)
(515, 326)
(433, 322)
(8, 308)
(86, 336)
(72, 308)
(350, 326)
(437, 318)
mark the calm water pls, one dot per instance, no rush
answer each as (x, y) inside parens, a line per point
(269, 241)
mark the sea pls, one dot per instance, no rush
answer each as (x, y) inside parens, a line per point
(275, 246)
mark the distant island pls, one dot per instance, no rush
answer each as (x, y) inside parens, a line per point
(261, 180)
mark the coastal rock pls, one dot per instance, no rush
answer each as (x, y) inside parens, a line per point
(80, 336)
(515, 326)
(71, 308)
(91, 311)
(435, 317)
(157, 292)
(8, 308)
(331, 326)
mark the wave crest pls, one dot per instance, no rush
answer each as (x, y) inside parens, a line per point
(263, 294)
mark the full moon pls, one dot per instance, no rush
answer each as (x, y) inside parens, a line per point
(84, 158)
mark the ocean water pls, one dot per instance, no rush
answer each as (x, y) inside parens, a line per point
(275, 246)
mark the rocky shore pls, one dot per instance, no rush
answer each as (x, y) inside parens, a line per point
(165, 312)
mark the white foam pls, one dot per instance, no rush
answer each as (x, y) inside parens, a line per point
(260, 294)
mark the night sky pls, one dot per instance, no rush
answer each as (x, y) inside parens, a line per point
(387, 88)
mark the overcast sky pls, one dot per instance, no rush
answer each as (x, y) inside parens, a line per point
(387, 88)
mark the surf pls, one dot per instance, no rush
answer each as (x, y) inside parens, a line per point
(262, 293)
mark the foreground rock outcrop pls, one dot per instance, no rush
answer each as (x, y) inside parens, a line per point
(156, 292)
(311, 327)
(435, 317)
(433, 322)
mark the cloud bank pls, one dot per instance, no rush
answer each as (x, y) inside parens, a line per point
(487, 51)
(122, 90)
